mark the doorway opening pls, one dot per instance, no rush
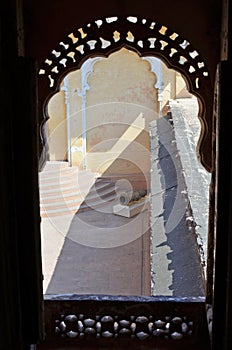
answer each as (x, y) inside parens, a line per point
(118, 198)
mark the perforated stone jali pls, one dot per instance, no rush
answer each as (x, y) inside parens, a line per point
(105, 36)
(140, 327)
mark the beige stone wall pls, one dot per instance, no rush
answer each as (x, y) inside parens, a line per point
(174, 87)
(121, 101)
(57, 127)
(181, 89)
(74, 100)
(169, 87)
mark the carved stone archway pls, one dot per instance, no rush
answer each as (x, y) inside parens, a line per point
(144, 36)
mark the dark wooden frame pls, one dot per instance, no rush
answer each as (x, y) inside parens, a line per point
(16, 331)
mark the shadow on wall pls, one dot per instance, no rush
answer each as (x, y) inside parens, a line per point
(176, 267)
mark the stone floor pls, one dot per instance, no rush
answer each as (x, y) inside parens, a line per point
(92, 251)
(97, 252)
(103, 253)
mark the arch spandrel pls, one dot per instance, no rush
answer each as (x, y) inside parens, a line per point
(147, 38)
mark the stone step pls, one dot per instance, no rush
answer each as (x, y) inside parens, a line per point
(58, 191)
(53, 190)
(56, 163)
(78, 196)
(66, 195)
(64, 177)
(74, 208)
(64, 190)
(98, 203)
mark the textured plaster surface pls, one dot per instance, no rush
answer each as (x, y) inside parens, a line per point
(176, 245)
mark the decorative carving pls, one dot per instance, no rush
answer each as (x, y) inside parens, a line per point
(71, 318)
(147, 38)
(107, 326)
(107, 35)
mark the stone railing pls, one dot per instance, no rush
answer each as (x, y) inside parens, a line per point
(157, 321)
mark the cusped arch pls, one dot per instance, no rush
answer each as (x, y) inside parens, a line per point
(146, 38)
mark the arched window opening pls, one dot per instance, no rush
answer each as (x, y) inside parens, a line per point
(118, 127)
(144, 36)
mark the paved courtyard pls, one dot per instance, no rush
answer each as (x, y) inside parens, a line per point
(97, 252)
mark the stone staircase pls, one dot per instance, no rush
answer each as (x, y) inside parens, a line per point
(65, 190)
